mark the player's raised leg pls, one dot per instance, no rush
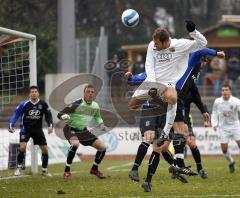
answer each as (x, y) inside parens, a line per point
(170, 96)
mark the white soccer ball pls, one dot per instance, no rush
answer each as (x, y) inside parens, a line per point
(130, 18)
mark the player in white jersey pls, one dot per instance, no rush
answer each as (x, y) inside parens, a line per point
(225, 118)
(166, 62)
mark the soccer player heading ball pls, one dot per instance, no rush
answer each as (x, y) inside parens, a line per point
(166, 62)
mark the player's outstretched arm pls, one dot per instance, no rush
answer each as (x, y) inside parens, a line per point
(64, 114)
(199, 41)
(137, 79)
(209, 52)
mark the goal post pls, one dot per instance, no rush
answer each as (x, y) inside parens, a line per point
(8, 36)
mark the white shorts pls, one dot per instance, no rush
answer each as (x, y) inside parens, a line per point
(142, 91)
(227, 135)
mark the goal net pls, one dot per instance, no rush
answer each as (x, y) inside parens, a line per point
(17, 73)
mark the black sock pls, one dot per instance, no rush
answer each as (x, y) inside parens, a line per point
(152, 166)
(98, 158)
(179, 144)
(174, 162)
(20, 157)
(197, 157)
(71, 153)
(180, 162)
(44, 160)
(142, 150)
(168, 157)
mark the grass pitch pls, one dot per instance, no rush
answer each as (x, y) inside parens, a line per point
(219, 184)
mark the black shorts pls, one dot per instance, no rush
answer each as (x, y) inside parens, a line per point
(152, 123)
(85, 137)
(37, 136)
(180, 113)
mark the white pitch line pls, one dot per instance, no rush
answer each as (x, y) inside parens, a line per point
(61, 173)
(119, 166)
(14, 177)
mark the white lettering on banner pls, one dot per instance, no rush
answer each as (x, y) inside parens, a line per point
(125, 141)
(58, 148)
(120, 141)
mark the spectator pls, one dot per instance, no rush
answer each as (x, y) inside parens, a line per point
(115, 58)
(233, 72)
(216, 78)
(138, 66)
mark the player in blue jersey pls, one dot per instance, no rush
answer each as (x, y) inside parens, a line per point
(31, 112)
(184, 85)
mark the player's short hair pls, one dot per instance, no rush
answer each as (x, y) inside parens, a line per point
(87, 87)
(161, 34)
(33, 87)
(227, 85)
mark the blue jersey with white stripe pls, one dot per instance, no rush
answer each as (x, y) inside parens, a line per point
(193, 70)
(19, 113)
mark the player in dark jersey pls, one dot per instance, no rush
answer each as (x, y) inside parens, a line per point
(78, 117)
(192, 95)
(180, 129)
(183, 86)
(150, 128)
(31, 113)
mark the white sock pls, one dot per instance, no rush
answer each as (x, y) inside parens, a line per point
(19, 166)
(171, 114)
(228, 156)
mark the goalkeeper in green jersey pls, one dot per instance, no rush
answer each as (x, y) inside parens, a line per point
(78, 116)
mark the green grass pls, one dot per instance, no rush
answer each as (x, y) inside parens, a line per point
(219, 184)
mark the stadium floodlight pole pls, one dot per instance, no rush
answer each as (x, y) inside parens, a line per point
(33, 79)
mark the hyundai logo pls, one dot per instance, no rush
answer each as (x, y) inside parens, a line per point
(34, 112)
